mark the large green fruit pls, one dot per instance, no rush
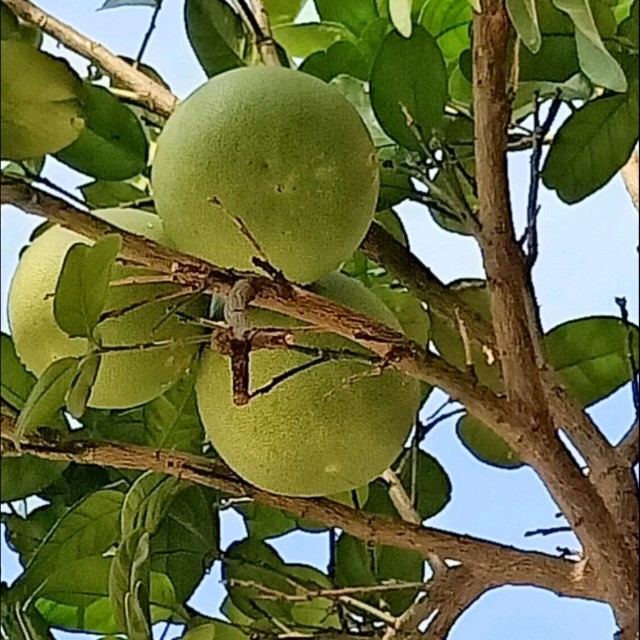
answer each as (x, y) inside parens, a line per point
(330, 428)
(125, 378)
(283, 151)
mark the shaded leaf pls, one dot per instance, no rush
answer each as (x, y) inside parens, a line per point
(392, 224)
(114, 4)
(265, 522)
(90, 528)
(112, 145)
(409, 80)
(216, 34)
(301, 40)
(485, 445)
(413, 318)
(432, 485)
(14, 29)
(83, 285)
(26, 475)
(629, 29)
(47, 396)
(592, 145)
(172, 421)
(596, 62)
(40, 104)
(398, 565)
(353, 560)
(105, 194)
(145, 504)
(355, 14)
(524, 17)
(78, 395)
(592, 356)
(395, 183)
(340, 58)
(281, 11)
(16, 381)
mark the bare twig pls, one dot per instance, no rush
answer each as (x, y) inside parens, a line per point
(549, 531)
(148, 33)
(400, 499)
(633, 365)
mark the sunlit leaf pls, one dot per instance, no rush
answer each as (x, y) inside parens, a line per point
(524, 17)
(400, 14)
(301, 40)
(16, 381)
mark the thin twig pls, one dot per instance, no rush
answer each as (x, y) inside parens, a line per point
(547, 532)
(633, 365)
(147, 35)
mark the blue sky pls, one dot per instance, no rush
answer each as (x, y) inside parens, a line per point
(588, 256)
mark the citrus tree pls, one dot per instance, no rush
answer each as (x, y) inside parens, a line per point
(230, 317)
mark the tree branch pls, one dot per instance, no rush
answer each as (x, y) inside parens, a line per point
(157, 97)
(489, 559)
(511, 294)
(629, 447)
(630, 176)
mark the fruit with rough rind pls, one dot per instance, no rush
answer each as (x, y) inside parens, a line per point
(282, 151)
(327, 429)
(125, 378)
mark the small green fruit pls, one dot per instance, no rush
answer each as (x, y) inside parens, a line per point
(281, 150)
(125, 378)
(328, 429)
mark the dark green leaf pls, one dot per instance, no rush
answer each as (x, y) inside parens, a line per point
(390, 221)
(485, 444)
(355, 14)
(14, 29)
(171, 421)
(103, 194)
(216, 630)
(395, 183)
(78, 396)
(596, 62)
(47, 396)
(301, 40)
(41, 109)
(83, 285)
(629, 29)
(432, 485)
(145, 504)
(353, 560)
(592, 145)
(112, 145)
(187, 540)
(265, 522)
(339, 58)
(524, 17)
(88, 529)
(592, 356)
(393, 564)
(216, 34)
(409, 80)
(26, 475)
(16, 381)
(130, 584)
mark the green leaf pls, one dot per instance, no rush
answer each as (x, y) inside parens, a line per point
(24, 476)
(392, 224)
(78, 395)
(103, 194)
(129, 585)
(524, 17)
(14, 29)
(40, 104)
(592, 145)
(187, 540)
(448, 21)
(432, 485)
(112, 145)
(115, 4)
(172, 421)
(596, 62)
(400, 14)
(16, 382)
(281, 11)
(145, 504)
(47, 396)
(355, 14)
(90, 528)
(395, 182)
(301, 40)
(409, 79)
(216, 34)
(485, 445)
(448, 339)
(393, 564)
(83, 285)
(265, 522)
(408, 309)
(353, 561)
(629, 29)
(340, 58)
(217, 630)
(592, 356)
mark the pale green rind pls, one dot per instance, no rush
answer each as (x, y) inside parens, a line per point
(294, 162)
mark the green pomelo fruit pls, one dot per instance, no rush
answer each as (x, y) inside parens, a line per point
(328, 429)
(279, 149)
(125, 378)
